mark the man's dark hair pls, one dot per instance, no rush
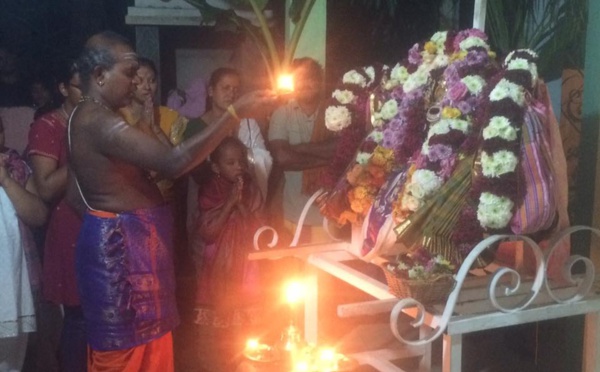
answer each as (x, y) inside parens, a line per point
(312, 67)
(98, 52)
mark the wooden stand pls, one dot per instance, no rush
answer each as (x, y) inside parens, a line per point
(487, 299)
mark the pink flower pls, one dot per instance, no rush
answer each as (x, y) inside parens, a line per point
(457, 91)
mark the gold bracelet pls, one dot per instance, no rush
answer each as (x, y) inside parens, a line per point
(231, 111)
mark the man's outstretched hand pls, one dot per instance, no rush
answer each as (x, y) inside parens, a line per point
(256, 103)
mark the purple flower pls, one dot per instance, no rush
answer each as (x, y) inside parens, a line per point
(414, 55)
(447, 166)
(464, 107)
(476, 57)
(439, 152)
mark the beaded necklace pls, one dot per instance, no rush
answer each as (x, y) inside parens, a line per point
(94, 100)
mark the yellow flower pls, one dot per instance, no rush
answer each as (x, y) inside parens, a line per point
(354, 174)
(430, 47)
(360, 192)
(450, 112)
(458, 56)
(382, 156)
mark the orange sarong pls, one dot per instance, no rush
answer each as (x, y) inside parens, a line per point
(154, 356)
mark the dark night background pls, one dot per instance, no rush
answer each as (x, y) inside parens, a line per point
(40, 31)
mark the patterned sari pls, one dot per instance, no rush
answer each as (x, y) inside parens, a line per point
(228, 284)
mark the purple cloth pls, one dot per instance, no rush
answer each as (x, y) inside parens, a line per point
(126, 277)
(192, 103)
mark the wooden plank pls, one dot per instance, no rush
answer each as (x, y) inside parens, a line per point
(452, 353)
(472, 323)
(366, 308)
(351, 276)
(381, 359)
(591, 343)
(302, 251)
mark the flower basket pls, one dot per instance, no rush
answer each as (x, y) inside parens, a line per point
(426, 291)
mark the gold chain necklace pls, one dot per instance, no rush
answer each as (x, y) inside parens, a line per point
(94, 100)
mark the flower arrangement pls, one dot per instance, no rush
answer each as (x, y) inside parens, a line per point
(347, 115)
(452, 113)
(449, 112)
(421, 265)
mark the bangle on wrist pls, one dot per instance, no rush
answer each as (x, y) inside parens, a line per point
(231, 111)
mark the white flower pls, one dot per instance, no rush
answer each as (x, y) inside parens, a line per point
(439, 39)
(441, 60)
(410, 203)
(362, 158)
(375, 136)
(534, 73)
(416, 79)
(370, 71)
(398, 76)
(389, 109)
(474, 83)
(353, 77)
(427, 181)
(518, 64)
(416, 272)
(337, 118)
(507, 89)
(376, 120)
(399, 73)
(344, 97)
(498, 163)
(473, 41)
(443, 126)
(499, 126)
(461, 125)
(533, 55)
(494, 211)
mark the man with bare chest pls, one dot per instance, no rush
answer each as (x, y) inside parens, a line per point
(124, 254)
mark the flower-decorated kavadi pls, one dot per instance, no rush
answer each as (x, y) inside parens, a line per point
(431, 145)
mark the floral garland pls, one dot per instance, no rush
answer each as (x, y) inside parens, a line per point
(452, 119)
(494, 187)
(346, 115)
(501, 141)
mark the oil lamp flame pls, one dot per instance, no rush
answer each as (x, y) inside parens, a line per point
(294, 292)
(285, 83)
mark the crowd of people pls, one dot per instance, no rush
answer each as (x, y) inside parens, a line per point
(111, 186)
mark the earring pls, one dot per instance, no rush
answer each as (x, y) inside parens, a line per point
(101, 82)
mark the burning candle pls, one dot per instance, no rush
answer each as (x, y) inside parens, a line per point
(294, 292)
(285, 84)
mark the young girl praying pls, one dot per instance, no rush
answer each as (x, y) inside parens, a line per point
(228, 293)
(227, 296)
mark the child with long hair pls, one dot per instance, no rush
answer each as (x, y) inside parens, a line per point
(228, 293)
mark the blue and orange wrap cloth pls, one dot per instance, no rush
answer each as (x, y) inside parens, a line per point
(126, 277)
